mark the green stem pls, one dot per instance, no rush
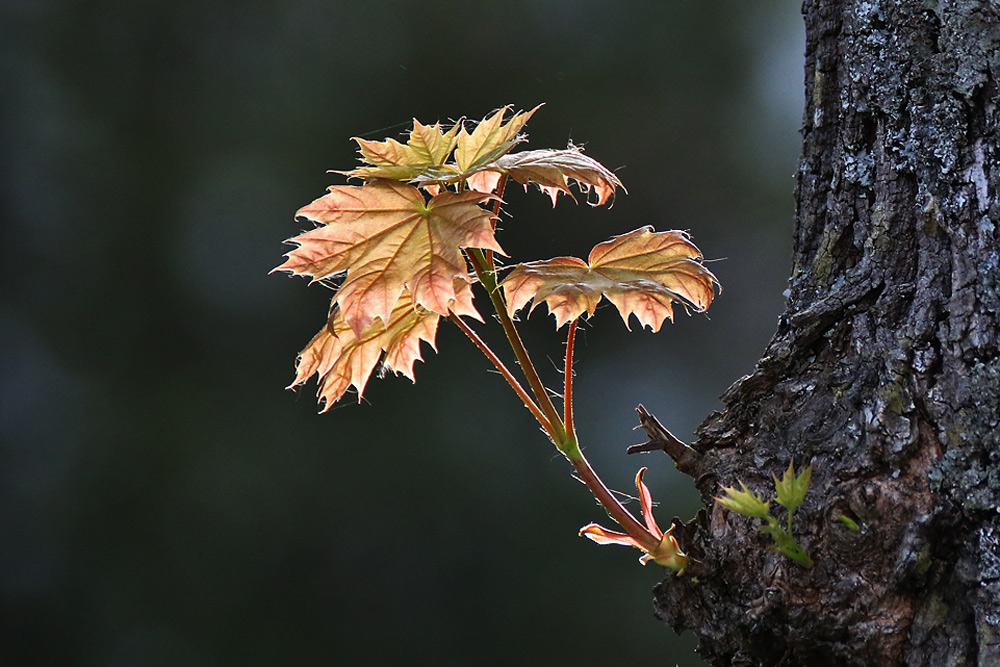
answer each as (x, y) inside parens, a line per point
(504, 371)
(488, 278)
(784, 542)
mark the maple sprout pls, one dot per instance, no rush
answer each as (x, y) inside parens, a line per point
(401, 246)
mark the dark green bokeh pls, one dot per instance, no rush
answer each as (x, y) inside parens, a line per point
(163, 501)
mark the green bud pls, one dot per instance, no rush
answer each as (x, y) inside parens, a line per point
(849, 522)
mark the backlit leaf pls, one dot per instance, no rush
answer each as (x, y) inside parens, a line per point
(388, 238)
(480, 157)
(642, 273)
(744, 502)
(427, 150)
(342, 359)
(551, 170)
(490, 139)
(792, 487)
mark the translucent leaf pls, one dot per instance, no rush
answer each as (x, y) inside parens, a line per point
(490, 139)
(792, 488)
(744, 502)
(551, 170)
(342, 359)
(388, 238)
(642, 273)
(428, 148)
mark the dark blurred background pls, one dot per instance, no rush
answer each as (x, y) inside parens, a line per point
(163, 501)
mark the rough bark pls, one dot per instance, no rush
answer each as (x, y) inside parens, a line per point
(884, 370)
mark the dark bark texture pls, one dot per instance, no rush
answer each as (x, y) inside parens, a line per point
(884, 371)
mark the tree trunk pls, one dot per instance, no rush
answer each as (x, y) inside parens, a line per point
(884, 370)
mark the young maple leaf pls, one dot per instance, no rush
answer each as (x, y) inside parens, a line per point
(426, 151)
(744, 502)
(340, 358)
(641, 272)
(792, 488)
(490, 139)
(388, 238)
(550, 170)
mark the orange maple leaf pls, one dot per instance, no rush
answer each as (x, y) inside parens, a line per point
(642, 273)
(551, 170)
(342, 359)
(423, 159)
(480, 158)
(490, 139)
(388, 237)
(424, 154)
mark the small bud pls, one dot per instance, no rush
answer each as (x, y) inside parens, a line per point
(849, 522)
